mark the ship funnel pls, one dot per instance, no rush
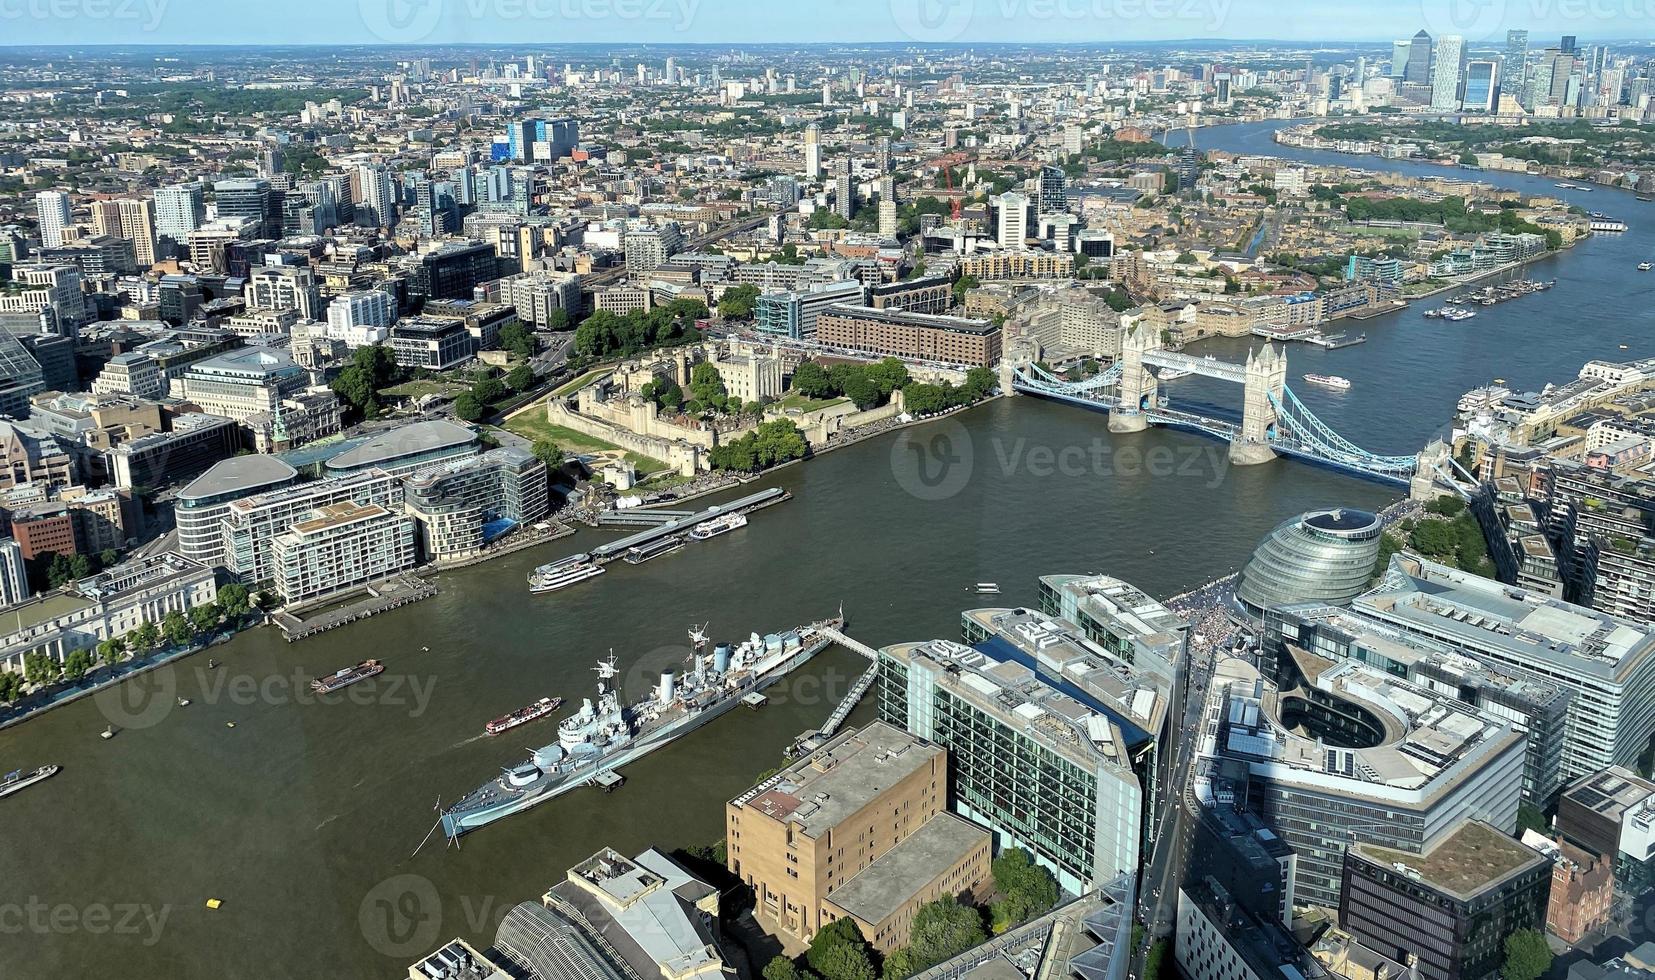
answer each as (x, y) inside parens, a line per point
(667, 689)
(721, 658)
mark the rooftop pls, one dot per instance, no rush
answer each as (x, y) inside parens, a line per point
(1421, 738)
(646, 909)
(880, 889)
(1472, 859)
(403, 442)
(1482, 613)
(239, 475)
(822, 790)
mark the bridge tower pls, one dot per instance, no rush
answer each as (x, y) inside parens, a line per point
(1018, 354)
(1138, 388)
(1266, 378)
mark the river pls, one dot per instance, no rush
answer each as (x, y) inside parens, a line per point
(303, 819)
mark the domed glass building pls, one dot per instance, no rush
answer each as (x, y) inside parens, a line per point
(1323, 556)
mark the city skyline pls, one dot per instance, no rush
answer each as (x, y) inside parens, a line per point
(49, 23)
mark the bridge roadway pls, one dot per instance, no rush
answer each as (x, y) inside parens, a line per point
(1207, 367)
(1292, 435)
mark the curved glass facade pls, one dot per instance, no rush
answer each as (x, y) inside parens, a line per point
(1324, 556)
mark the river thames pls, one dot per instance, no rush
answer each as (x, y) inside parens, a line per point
(303, 819)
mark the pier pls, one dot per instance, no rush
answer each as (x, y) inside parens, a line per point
(378, 597)
(605, 553)
(808, 741)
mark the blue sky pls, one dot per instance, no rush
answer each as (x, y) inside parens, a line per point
(739, 21)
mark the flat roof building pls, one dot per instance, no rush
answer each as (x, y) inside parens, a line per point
(1607, 661)
(1612, 814)
(910, 336)
(857, 829)
(1539, 706)
(1349, 754)
(657, 918)
(1051, 737)
(340, 545)
(1452, 906)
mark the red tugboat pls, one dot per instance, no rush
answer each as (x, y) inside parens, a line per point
(522, 716)
(346, 677)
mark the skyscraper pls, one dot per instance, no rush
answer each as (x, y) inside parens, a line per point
(844, 191)
(1445, 74)
(179, 210)
(1012, 226)
(1399, 58)
(1481, 85)
(1567, 44)
(1054, 196)
(52, 209)
(247, 199)
(813, 152)
(1419, 59)
(1514, 72)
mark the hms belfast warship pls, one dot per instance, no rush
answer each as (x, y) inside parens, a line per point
(605, 734)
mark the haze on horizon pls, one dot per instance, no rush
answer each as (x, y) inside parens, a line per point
(530, 22)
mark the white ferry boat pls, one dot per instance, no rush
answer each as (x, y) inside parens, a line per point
(561, 575)
(716, 526)
(1329, 381)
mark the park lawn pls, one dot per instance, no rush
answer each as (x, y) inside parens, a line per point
(419, 389)
(579, 383)
(533, 426)
(807, 405)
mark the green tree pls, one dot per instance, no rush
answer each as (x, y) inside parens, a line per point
(782, 968)
(812, 381)
(521, 378)
(144, 637)
(980, 382)
(233, 600)
(175, 628)
(468, 407)
(112, 651)
(59, 572)
(706, 385)
(548, 452)
(1530, 817)
(1026, 889)
(838, 952)
(941, 930)
(39, 669)
(204, 618)
(965, 285)
(76, 665)
(519, 340)
(371, 370)
(738, 303)
(11, 686)
(489, 390)
(1434, 538)
(1528, 955)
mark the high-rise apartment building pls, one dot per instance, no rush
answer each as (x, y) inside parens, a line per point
(53, 212)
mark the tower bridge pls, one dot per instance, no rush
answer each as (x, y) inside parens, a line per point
(1273, 421)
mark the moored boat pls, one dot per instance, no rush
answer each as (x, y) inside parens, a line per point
(14, 782)
(524, 715)
(346, 676)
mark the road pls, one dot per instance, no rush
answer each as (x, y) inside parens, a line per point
(1174, 818)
